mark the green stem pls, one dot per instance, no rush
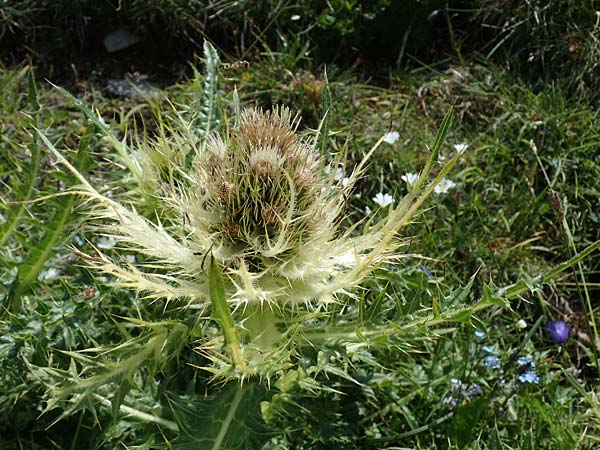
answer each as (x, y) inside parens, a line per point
(586, 293)
(350, 333)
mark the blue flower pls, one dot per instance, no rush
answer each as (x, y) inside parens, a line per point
(559, 331)
(479, 334)
(526, 361)
(492, 361)
(489, 350)
(456, 385)
(474, 390)
(529, 376)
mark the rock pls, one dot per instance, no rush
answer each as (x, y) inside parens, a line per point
(134, 87)
(120, 40)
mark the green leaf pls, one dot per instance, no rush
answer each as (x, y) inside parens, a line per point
(226, 420)
(459, 296)
(463, 316)
(465, 421)
(25, 194)
(117, 399)
(490, 299)
(93, 117)
(32, 92)
(206, 114)
(522, 286)
(105, 130)
(437, 146)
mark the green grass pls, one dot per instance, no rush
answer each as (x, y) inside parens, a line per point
(551, 43)
(497, 225)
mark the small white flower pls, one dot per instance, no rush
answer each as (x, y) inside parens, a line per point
(460, 148)
(106, 242)
(130, 259)
(521, 324)
(383, 200)
(444, 186)
(337, 176)
(410, 179)
(295, 17)
(555, 162)
(49, 274)
(339, 173)
(391, 137)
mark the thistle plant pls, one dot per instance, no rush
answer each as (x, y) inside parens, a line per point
(259, 205)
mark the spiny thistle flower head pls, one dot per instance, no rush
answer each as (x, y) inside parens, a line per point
(260, 191)
(260, 200)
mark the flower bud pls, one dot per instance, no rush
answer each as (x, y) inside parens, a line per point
(226, 191)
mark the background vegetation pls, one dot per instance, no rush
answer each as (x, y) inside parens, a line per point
(523, 79)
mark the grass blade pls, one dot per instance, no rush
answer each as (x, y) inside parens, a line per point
(26, 192)
(55, 233)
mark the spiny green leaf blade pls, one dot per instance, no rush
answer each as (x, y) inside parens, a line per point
(205, 104)
(227, 420)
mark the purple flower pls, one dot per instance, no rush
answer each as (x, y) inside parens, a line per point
(559, 331)
(426, 271)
